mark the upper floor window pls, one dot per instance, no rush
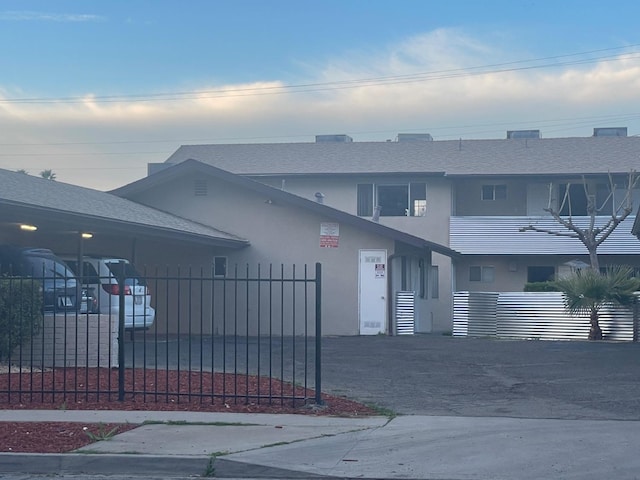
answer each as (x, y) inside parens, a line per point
(494, 192)
(397, 200)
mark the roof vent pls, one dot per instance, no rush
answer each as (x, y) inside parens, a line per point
(319, 197)
(415, 137)
(610, 132)
(200, 187)
(523, 134)
(333, 139)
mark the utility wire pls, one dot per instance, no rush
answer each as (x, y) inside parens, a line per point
(495, 68)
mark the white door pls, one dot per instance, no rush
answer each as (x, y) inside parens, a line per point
(372, 291)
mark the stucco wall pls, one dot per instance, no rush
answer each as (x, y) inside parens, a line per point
(279, 234)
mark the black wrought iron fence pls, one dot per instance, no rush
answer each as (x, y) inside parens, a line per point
(181, 335)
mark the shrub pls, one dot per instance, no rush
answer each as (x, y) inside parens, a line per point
(20, 312)
(541, 287)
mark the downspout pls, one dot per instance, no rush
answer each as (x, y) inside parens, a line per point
(390, 295)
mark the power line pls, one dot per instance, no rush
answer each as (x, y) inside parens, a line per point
(552, 122)
(495, 68)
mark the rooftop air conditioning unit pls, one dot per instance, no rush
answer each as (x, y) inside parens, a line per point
(610, 132)
(333, 139)
(523, 134)
(415, 137)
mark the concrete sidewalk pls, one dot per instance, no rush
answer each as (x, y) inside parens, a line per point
(301, 446)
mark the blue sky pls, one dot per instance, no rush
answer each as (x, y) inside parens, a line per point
(95, 90)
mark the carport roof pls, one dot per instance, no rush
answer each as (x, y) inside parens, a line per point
(191, 165)
(84, 209)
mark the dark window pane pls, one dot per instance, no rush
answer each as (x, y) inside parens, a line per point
(365, 200)
(576, 198)
(540, 274)
(219, 266)
(393, 200)
(475, 274)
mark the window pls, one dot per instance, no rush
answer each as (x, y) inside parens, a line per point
(219, 266)
(481, 274)
(397, 200)
(540, 274)
(494, 192)
(576, 199)
(365, 200)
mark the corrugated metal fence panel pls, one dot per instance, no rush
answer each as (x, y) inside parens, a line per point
(405, 313)
(533, 315)
(617, 323)
(460, 314)
(478, 306)
(501, 235)
(538, 315)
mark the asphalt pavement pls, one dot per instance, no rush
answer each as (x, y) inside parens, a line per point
(463, 409)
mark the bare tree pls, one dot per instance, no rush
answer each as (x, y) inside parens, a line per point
(590, 235)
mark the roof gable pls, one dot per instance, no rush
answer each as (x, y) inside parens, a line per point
(189, 166)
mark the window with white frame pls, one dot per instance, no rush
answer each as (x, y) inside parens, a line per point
(484, 274)
(494, 192)
(394, 200)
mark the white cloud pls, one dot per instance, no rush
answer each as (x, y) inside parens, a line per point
(107, 144)
(48, 17)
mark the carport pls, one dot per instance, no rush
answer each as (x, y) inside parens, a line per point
(75, 220)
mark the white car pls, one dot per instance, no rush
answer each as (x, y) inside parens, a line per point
(100, 275)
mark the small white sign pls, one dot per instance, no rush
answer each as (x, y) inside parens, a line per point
(329, 235)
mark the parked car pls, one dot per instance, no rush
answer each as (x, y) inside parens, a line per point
(99, 276)
(60, 288)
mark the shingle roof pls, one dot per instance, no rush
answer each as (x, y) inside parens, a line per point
(21, 190)
(554, 156)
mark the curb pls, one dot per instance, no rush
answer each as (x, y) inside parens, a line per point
(100, 464)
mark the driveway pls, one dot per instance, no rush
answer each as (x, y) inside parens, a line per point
(442, 375)
(435, 374)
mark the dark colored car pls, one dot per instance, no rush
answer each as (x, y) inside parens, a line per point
(60, 288)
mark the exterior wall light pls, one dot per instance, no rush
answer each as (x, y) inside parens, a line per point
(28, 228)
(86, 235)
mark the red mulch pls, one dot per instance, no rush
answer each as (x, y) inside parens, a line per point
(97, 389)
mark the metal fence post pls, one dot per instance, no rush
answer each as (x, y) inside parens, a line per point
(318, 366)
(121, 369)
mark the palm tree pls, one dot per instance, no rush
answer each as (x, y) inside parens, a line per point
(48, 174)
(589, 290)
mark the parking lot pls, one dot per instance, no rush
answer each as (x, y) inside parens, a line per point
(442, 375)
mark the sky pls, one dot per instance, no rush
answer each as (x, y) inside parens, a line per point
(95, 90)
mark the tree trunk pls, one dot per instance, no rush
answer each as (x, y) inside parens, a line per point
(595, 332)
(593, 258)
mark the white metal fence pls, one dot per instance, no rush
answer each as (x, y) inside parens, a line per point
(534, 315)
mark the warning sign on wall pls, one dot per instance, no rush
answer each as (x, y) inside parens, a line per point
(329, 235)
(380, 268)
